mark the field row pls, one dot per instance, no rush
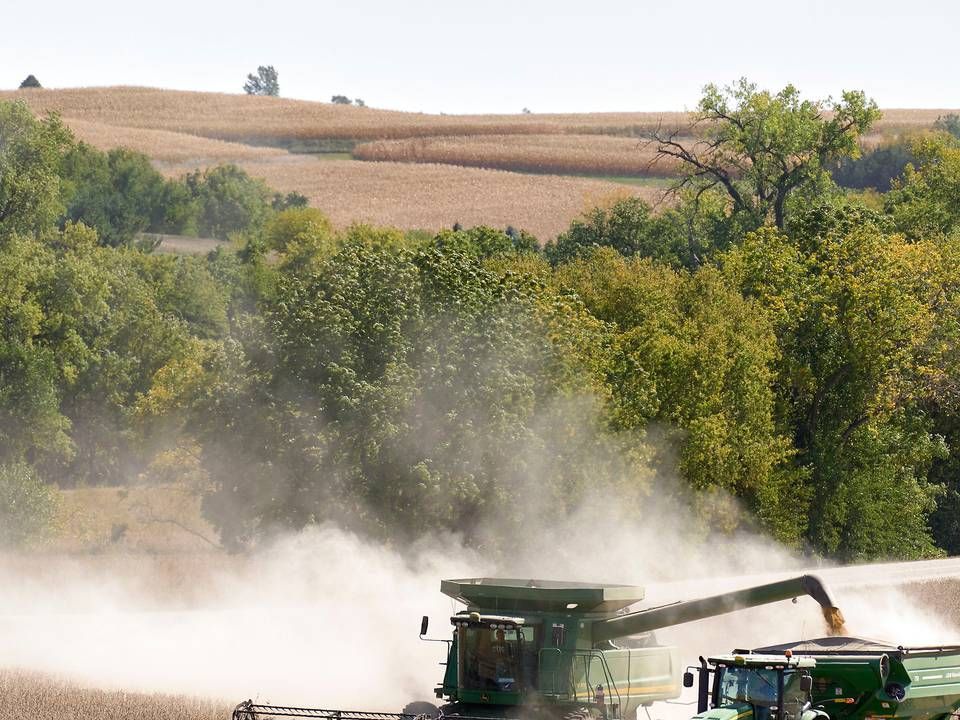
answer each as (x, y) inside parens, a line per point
(561, 154)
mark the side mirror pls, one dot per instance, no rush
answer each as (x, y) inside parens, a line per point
(688, 679)
(806, 683)
(424, 624)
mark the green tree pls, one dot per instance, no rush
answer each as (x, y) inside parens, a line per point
(398, 388)
(761, 148)
(693, 354)
(30, 417)
(31, 154)
(877, 168)
(264, 82)
(28, 508)
(30, 82)
(925, 203)
(228, 201)
(87, 330)
(949, 123)
(855, 312)
(630, 227)
(120, 194)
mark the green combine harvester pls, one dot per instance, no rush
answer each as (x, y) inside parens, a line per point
(834, 678)
(559, 650)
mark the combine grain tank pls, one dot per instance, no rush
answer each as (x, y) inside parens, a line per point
(835, 678)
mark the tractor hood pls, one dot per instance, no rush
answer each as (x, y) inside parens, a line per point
(742, 711)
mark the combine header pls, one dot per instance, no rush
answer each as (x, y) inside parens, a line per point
(546, 648)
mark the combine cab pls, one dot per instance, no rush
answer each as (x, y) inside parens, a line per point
(560, 650)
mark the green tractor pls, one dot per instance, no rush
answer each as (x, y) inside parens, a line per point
(835, 678)
(529, 648)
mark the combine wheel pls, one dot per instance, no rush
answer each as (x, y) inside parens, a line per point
(421, 709)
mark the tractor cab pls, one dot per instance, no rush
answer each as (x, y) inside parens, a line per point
(755, 687)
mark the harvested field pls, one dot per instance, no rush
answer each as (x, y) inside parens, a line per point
(431, 197)
(44, 697)
(562, 154)
(163, 146)
(270, 120)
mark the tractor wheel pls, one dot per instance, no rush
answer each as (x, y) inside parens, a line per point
(420, 709)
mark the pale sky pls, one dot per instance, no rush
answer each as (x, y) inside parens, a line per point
(497, 55)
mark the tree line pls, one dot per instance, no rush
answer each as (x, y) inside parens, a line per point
(769, 350)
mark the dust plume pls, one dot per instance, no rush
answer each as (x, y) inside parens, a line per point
(326, 618)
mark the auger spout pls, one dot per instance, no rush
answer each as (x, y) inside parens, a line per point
(684, 612)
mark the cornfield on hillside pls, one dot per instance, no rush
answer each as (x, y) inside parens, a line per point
(269, 119)
(249, 118)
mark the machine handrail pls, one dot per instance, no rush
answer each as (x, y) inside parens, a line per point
(588, 654)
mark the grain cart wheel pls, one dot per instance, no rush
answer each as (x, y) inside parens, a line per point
(421, 709)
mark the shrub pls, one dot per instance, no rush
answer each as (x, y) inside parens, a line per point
(877, 168)
(28, 507)
(229, 201)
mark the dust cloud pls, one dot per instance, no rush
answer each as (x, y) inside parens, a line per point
(325, 618)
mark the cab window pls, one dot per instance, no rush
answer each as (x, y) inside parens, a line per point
(491, 658)
(756, 686)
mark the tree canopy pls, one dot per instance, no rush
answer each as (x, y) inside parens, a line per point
(760, 148)
(263, 82)
(794, 373)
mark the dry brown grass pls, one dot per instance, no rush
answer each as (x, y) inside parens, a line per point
(431, 197)
(34, 696)
(563, 154)
(164, 146)
(150, 518)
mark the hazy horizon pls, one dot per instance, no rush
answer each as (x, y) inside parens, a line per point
(428, 56)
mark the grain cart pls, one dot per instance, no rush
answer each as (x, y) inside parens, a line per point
(541, 647)
(835, 678)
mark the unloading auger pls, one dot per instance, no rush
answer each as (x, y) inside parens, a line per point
(542, 647)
